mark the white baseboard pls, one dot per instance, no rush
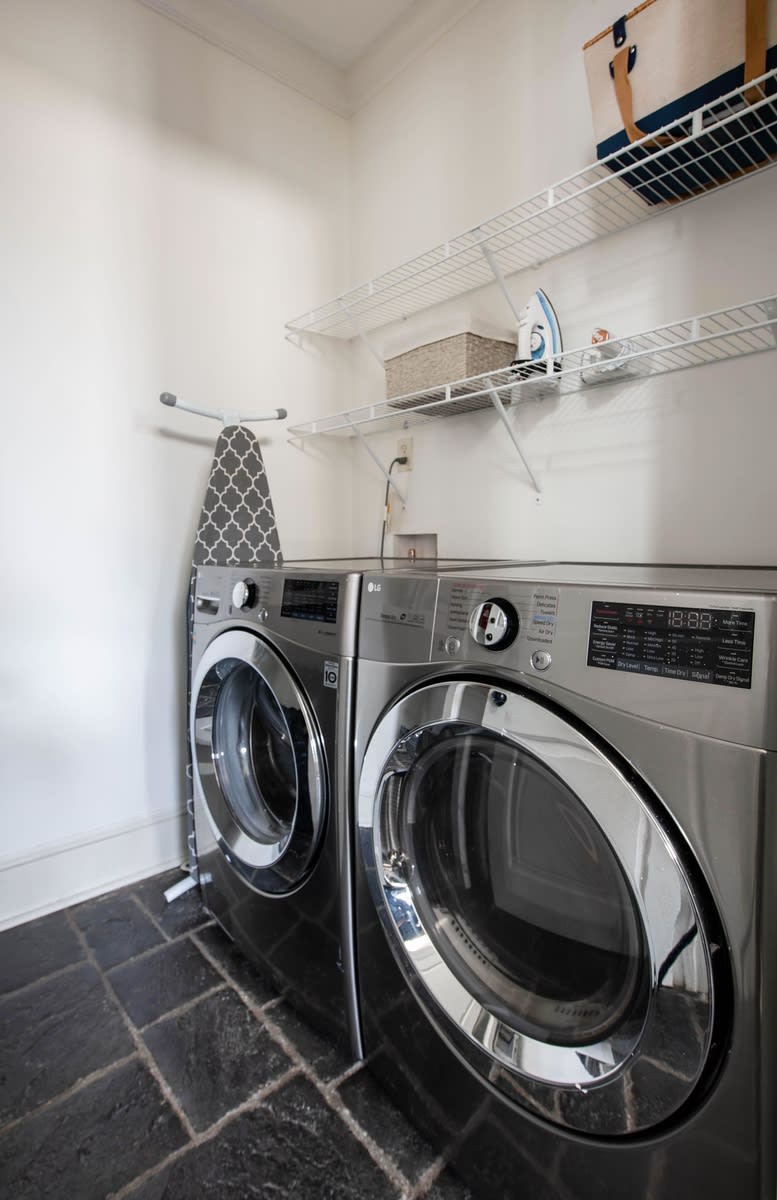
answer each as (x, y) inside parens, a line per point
(62, 873)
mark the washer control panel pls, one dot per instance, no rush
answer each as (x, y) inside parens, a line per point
(311, 608)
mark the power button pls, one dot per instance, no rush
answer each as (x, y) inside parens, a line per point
(541, 660)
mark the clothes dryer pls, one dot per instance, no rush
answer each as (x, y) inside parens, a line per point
(565, 874)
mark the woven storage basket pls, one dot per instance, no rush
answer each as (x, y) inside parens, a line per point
(431, 366)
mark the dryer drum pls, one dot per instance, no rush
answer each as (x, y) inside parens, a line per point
(520, 891)
(538, 907)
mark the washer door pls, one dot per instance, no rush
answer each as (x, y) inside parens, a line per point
(528, 888)
(259, 762)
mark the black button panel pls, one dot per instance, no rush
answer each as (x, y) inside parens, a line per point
(310, 600)
(700, 645)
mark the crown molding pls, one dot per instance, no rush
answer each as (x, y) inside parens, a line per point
(240, 34)
(409, 37)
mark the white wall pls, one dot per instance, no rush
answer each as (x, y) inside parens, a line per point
(677, 470)
(163, 209)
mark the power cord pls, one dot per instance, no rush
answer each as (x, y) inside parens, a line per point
(400, 461)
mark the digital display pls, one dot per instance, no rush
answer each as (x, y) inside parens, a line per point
(701, 645)
(310, 600)
(690, 618)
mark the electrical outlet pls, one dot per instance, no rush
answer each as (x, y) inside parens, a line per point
(405, 450)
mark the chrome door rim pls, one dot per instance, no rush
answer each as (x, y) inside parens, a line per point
(260, 863)
(658, 883)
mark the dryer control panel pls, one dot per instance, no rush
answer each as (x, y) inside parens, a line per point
(702, 645)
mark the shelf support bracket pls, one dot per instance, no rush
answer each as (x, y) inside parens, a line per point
(771, 312)
(361, 334)
(386, 474)
(496, 271)
(500, 409)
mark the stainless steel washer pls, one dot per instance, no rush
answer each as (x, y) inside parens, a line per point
(271, 735)
(565, 872)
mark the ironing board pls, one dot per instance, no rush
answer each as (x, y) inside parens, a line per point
(236, 529)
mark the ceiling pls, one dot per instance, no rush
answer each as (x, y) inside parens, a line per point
(339, 31)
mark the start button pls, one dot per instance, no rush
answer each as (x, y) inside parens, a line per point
(541, 660)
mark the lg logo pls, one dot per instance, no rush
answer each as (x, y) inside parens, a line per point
(331, 673)
(373, 587)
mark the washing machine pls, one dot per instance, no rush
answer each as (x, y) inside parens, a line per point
(270, 727)
(565, 874)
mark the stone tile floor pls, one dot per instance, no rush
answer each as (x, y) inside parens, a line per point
(141, 1056)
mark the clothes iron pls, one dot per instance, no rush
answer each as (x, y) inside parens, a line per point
(539, 338)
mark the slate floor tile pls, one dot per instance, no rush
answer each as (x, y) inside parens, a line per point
(448, 1187)
(182, 915)
(214, 1056)
(161, 980)
(386, 1125)
(53, 1034)
(92, 1143)
(292, 1146)
(31, 951)
(326, 1059)
(116, 928)
(231, 958)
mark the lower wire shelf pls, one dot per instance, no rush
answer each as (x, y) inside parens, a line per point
(712, 337)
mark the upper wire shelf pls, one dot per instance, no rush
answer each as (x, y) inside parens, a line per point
(716, 145)
(713, 337)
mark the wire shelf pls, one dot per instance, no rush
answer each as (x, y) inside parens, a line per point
(714, 337)
(710, 148)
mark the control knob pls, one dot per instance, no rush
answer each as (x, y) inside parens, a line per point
(244, 594)
(494, 624)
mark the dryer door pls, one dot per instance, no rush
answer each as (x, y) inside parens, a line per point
(533, 895)
(259, 761)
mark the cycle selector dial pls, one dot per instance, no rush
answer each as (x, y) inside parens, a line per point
(494, 624)
(244, 594)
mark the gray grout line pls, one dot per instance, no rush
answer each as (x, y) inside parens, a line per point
(183, 1008)
(427, 1178)
(147, 912)
(26, 987)
(207, 1135)
(255, 1008)
(73, 1090)
(145, 1055)
(207, 919)
(160, 946)
(352, 1070)
(328, 1091)
(330, 1096)
(263, 1012)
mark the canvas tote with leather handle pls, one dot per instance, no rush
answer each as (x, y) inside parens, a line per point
(665, 59)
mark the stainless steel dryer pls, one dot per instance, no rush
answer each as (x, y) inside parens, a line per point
(271, 735)
(566, 872)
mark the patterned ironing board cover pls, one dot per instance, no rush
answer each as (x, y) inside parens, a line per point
(236, 528)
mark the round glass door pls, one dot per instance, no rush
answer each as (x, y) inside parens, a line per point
(530, 889)
(259, 761)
